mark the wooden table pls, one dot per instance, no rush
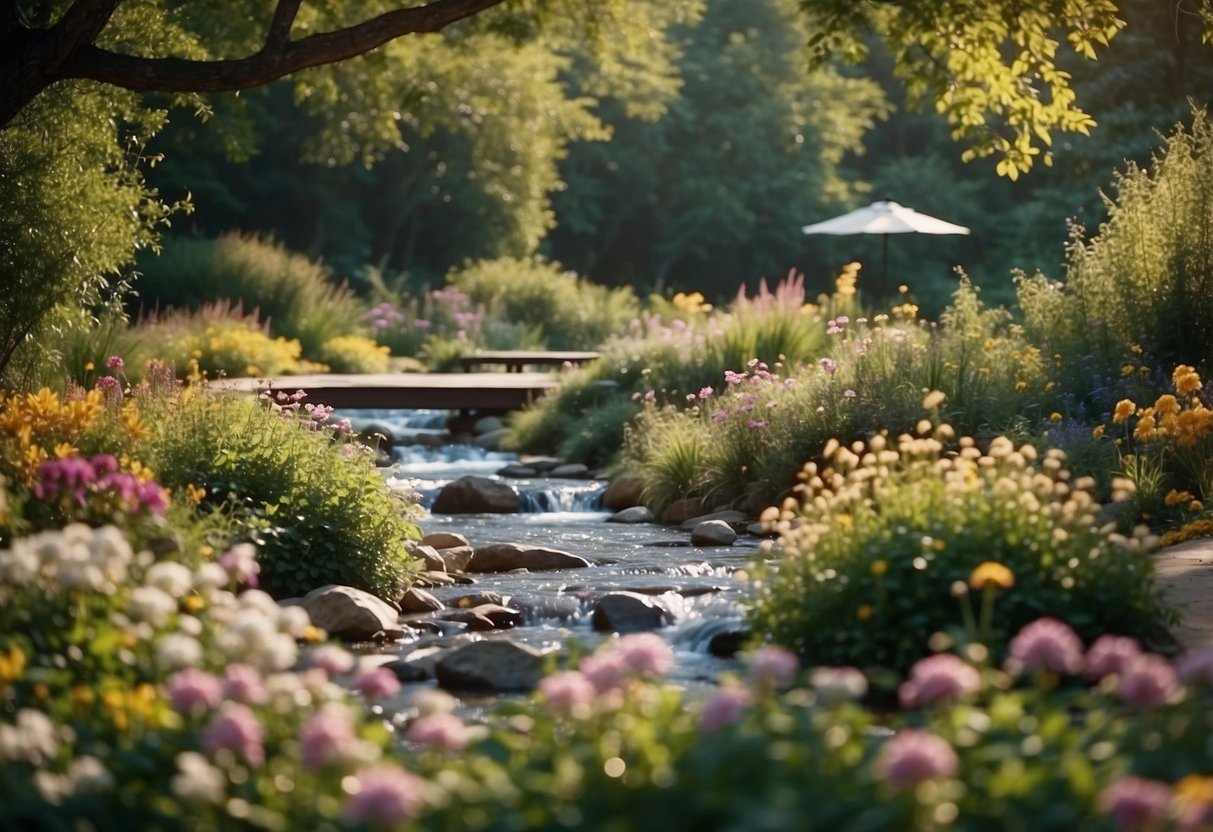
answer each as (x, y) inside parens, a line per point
(515, 360)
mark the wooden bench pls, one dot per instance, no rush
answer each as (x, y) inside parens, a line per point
(515, 360)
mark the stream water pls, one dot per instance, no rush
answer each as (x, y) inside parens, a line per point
(699, 586)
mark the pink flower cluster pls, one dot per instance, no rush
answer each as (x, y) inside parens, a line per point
(98, 485)
(383, 796)
(605, 672)
(939, 679)
(236, 729)
(195, 691)
(382, 317)
(913, 756)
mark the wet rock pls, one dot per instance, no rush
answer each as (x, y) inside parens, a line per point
(570, 471)
(444, 540)
(536, 607)
(475, 495)
(728, 644)
(517, 472)
(761, 530)
(475, 599)
(625, 491)
(488, 424)
(434, 578)
(408, 671)
(490, 665)
(377, 434)
(490, 441)
(734, 518)
(682, 510)
(629, 612)
(506, 557)
(635, 514)
(456, 558)
(485, 617)
(429, 556)
(542, 464)
(351, 614)
(432, 441)
(418, 600)
(713, 533)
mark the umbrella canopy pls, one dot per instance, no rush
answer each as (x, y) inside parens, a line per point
(884, 218)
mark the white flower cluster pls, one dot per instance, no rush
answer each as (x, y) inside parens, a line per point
(76, 558)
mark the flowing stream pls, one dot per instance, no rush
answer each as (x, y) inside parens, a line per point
(699, 586)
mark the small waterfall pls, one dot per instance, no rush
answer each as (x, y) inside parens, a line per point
(561, 497)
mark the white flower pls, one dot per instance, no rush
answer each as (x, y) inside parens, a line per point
(74, 574)
(89, 775)
(173, 578)
(177, 650)
(110, 552)
(197, 780)
(293, 621)
(209, 577)
(30, 739)
(20, 564)
(151, 604)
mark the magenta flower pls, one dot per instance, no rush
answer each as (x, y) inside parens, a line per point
(604, 670)
(567, 693)
(770, 666)
(327, 737)
(384, 795)
(645, 654)
(724, 708)
(235, 729)
(731, 377)
(108, 384)
(115, 362)
(942, 678)
(1136, 803)
(193, 690)
(757, 424)
(1109, 654)
(243, 683)
(1196, 667)
(1047, 644)
(438, 730)
(913, 756)
(376, 683)
(240, 561)
(706, 393)
(829, 365)
(1146, 681)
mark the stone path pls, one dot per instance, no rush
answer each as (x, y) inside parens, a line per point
(1185, 571)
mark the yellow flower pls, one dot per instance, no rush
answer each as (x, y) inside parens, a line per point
(1186, 380)
(880, 567)
(1020, 386)
(991, 573)
(1097, 432)
(1174, 497)
(89, 367)
(864, 613)
(63, 450)
(1167, 405)
(12, 665)
(193, 603)
(314, 635)
(195, 493)
(1128, 370)
(1124, 409)
(1054, 417)
(1052, 385)
(1194, 791)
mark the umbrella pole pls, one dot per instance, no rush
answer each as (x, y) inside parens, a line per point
(884, 268)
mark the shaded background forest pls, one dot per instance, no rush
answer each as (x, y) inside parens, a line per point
(520, 150)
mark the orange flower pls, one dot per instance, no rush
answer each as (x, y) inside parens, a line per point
(1124, 409)
(1186, 380)
(991, 573)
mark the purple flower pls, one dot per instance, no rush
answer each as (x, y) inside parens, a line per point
(384, 795)
(1047, 644)
(731, 377)
(193, 690)
(829, 365)
(939, 678)
(1109, 654)
(720, 415)
(243, 683)
(724, 708)
(913, 756)
(1146, 681)
(235, 729)
(439, 730)
(108, 384)
(568, 693)
(770, 666)
(1196, 667)
(1136, 803)
(706, 393)
(849, 393)
(115, 362)
(645, 654)
(757, 424)
(376, 683)
(327, 737)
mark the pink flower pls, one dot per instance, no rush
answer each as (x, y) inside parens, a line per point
(376, 683)
(939, 678)
(327, 737)
(913, 756)
(240, 561)
(332, 659)
(115, 362)
(193, 690)
(1047, 644)
(645, 654)
(604, 670)
(439, 730)
(1196, 667)
(384, 795)
(724, 708)
(829, 365)
(835, 685)
(108, 384)
(243, 683)
(568, 693)
(235, 729)
(1146, 681)
(770, 666)
(1109, 654)
(1136, 803)
(849, 393)
(706, 393)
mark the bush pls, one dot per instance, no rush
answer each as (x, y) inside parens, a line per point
(354, 354)
(884, 535)
(217, 339)
(298, 299)
(315, 505)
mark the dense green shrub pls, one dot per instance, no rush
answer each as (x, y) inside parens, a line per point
(298, 299)
(315, 505)
(218, 339)
(354, 354)
(877, 551)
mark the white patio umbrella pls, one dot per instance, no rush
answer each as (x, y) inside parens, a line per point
(884, 218)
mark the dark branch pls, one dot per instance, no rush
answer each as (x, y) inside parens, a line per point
(80, 25)
(280, 27)
(179, 75)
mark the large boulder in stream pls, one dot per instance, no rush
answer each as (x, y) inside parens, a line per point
(629, 612)
(351, 614)
(506, 557)
(713, 533)
(625, 491)
(490, 665)
(475, 495)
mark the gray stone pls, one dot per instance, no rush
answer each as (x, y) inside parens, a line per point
(426, 440)
(682, 510)
(518, 472)
(444, 540)
(475, 599)
(728, 644)
(760, 529)
(435, 578)
(429, 556)
(371, 432)
(409, 671)
(733, 518)
(542, 464)
(625, 491)
(486, 617)
(570, 471)
(635, 514)
(418, 600)
(490, 441)
(490, 665)
(505, 557)
(488, 424)
(351, 614)
(475, 495)
(629, 612)
(713, 533)
(454, 559)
